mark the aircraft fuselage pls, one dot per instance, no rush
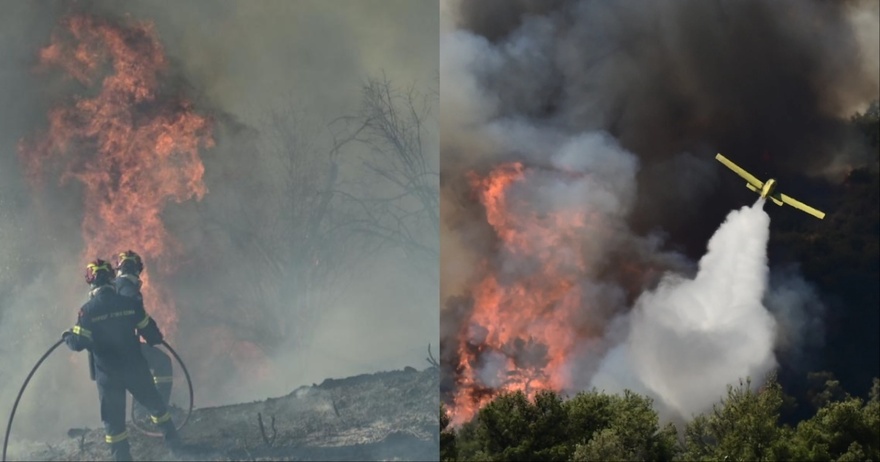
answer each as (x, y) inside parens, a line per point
(768, 188)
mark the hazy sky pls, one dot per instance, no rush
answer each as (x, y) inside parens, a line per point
(248, 54)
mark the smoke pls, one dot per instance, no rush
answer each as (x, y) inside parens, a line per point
(799, 312)
(251, 324)
(29, 327)
(770, 83)
(715, 324)
(577, 161)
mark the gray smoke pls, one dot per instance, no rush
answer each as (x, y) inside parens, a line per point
(771, 83)
(249, 66)
(799, 312)
(637, 97)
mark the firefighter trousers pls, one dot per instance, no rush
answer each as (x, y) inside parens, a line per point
(112, 388)
(160, 364)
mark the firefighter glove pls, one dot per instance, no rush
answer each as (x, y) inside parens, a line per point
(154, 340)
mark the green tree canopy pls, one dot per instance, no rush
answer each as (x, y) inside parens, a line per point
(595, 426)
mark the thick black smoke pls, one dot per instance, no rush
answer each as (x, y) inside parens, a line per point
(771, 84)
(768, 83)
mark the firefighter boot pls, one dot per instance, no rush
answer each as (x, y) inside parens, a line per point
(170, 436)
(121, 451)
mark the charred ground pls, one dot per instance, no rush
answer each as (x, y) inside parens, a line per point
(381, 416)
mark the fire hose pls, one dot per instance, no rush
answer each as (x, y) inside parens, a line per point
(147, 433)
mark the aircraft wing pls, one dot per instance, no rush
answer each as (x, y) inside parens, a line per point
(801, 206)
(739, 171)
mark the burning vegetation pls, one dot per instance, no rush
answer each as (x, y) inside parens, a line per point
(131, 144)
(521, 324)
(543, 294)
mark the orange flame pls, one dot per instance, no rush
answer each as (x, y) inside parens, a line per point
(132, 148)
(521, 328)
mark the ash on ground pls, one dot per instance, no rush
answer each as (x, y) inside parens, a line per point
(380, 416)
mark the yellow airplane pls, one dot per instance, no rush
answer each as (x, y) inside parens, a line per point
(768, 189)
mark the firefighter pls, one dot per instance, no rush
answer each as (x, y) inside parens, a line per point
(108, 327)
(128, 283)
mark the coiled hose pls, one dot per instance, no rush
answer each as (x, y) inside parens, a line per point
(49, 352)
(188, 412)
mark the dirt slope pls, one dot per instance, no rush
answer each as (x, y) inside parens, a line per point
(381, 416)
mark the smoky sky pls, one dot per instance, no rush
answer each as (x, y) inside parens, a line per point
(770, 84)
(708, 72)
(240, 63)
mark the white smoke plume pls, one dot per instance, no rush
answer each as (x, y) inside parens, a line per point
(689, 338)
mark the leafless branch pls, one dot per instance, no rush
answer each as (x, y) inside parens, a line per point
(433, 362)
(269, 441)
(399, 197)
(282, 222)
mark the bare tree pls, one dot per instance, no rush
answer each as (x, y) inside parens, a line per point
(278, 232)
(313, 254)
(394, 197)
(299, 209)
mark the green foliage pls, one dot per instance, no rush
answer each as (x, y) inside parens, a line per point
(447, 437)
(603, 446)
(842, 429)
(628, 422)
(826, 389)
(872, 413)
(590, 426)
(593, 426)
(589, 413)
(513, 428)
(744, 426)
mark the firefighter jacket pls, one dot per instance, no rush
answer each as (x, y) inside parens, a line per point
(109, 325)
(129, 285)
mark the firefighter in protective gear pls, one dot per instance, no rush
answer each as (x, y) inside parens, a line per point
(128, 283)
(108, 327)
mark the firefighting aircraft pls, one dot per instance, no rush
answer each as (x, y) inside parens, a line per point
(768, 189)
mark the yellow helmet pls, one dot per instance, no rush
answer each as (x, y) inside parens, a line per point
(99, 272)
(130, 263)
